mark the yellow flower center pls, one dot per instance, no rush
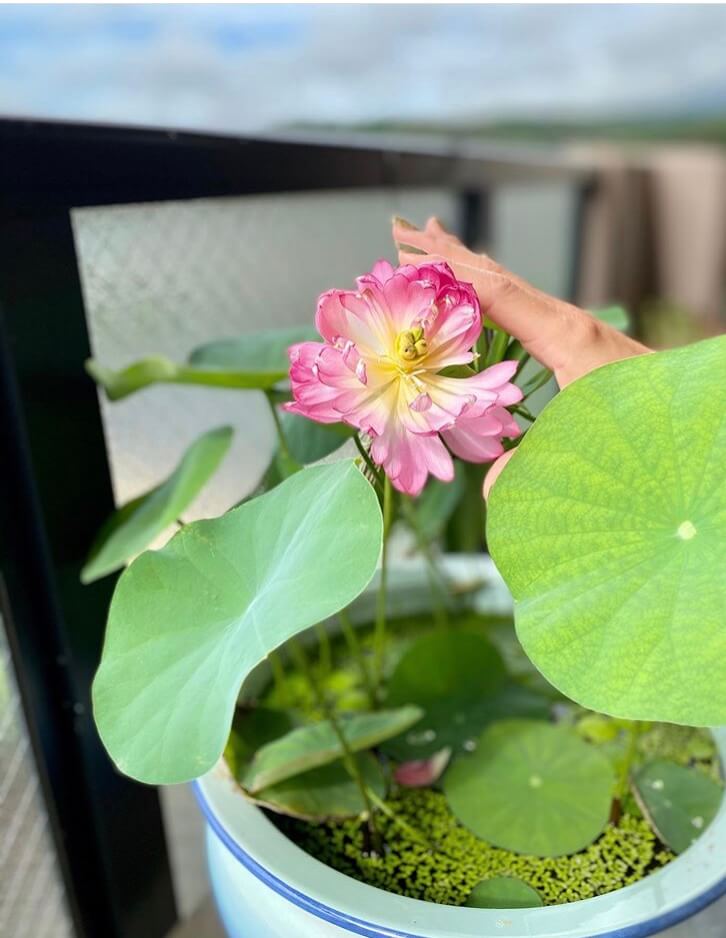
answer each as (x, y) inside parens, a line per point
(411, 346)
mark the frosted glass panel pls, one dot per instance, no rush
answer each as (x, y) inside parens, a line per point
(32, 897)
(164, 277)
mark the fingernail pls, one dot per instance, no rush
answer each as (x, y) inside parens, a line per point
(403, 223)
(409, 248)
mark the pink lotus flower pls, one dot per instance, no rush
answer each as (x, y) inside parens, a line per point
(379, 370)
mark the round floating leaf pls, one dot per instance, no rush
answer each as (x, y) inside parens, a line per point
(310, 746)
(445, 664)
(503, 892)
(608, 526)
(452, 676)
(325, 792)
(680, 803)
(135, 525)
(188, 623)
(533, 788)
(262, 353)
(455, 724)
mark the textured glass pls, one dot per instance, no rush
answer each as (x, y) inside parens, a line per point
(32, 900)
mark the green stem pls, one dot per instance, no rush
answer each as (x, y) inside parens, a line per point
(348, 757)
(372, 468)
(278, 675)
(282, 442)
(379, 635)
(523, 412)
(404, 825)
(357, 654)
(437, 583)
(536, 382)
(623, 782)
(497, 349)
(326, 659)
(468, 519)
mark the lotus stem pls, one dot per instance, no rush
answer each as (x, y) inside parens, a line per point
(623, 782)
(325, 657)
(404, 825)
(349, 760)
(370, 465)
(356, 653)
(379, 635)
(284, 448)
(437, 583)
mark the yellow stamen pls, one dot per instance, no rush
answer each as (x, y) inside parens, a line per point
(411, 346)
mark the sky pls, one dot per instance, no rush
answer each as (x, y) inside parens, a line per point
(241, 68)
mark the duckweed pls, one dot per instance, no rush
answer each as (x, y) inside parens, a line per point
(447, 873)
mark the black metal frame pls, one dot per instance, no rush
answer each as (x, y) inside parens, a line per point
(54, 479)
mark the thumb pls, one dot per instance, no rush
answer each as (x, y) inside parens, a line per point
(495, 471)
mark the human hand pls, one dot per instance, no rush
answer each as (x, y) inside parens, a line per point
(563, 337)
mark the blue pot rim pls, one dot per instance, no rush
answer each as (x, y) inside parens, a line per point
(369, 930)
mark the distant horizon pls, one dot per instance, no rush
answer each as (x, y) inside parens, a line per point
(252, 68)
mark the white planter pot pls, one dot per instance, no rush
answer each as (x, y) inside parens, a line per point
(267, 887)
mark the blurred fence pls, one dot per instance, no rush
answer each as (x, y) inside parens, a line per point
(126, 242)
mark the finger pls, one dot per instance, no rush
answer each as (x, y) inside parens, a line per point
(533, 319)
(495, 471)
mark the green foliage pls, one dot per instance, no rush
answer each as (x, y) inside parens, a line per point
(309, 441)
(679, 802)
(308, 747)
(257, 352)
(189, 622)
(615, 316)
(533, 788)
(685, 745)
(451, 676)
(324, 792)
(608, 527)
(133, 527)
(253, 728)
(503, 892)
(437, 503)
(256, 361)
(447, 874)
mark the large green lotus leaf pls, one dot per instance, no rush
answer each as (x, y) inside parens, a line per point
(679, 802)
(133, 527)
(503, 892)
(187, 623)
(453, 677)
(308, 747)
(533, 788)
(325, 792)
(609, 527)
(263, 352)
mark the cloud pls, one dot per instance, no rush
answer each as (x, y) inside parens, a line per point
(251, 67)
